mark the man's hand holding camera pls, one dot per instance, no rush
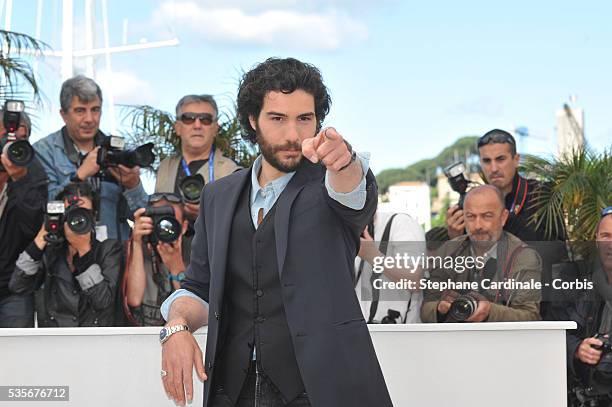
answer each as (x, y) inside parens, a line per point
(89, 167)
(588, 351)
(455, 222)
(14, 171)
(39, 240)
(143, 226)
(170, 253)
(446, 300)
(128, 177)
(480, 310)
(171, 256)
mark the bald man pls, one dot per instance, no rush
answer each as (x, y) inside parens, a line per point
(492, 266)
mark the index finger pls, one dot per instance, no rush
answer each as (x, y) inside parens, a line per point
(451, 210)
(594, 341)
(331, 133)
(138, 213)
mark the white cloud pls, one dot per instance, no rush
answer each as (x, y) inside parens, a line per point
(127, 87)
(273, 27)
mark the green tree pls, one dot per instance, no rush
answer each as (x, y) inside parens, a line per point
(425, 170)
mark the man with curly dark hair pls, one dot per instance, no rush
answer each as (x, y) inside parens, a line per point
(272, 262)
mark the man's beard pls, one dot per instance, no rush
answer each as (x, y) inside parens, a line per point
(270, 153)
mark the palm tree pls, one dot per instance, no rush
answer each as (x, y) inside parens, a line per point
(149, 124)
(580, 187)
(16, 71)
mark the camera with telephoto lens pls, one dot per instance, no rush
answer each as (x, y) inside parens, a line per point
(166, 228)
(191, 188)
(457, 180)
(19, 152)
(462, 308)
(113, 153)
(79, 220)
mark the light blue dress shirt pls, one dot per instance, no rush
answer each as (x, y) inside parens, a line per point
(265, 197)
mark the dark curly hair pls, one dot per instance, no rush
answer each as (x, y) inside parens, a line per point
(284, 75)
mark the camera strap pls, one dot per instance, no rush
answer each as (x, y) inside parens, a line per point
(520, 196)
(503, 294)
(384, 246)
(211, 165)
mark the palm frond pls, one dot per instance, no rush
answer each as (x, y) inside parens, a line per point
(16, 71)
(578, 186)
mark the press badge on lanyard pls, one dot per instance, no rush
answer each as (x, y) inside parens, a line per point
(211, 165)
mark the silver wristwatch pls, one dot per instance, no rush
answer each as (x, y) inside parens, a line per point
(168, 331)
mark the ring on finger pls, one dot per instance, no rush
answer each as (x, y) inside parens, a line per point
(163, 373)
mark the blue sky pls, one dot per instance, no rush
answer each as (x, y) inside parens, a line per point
(406, 78)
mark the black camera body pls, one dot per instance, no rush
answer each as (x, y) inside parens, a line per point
(112, 153)
(392, 317)
(79, 220)
(598, 389)
(457, 180)
(191, 188)
(606, 347)
(462, 308)
(166, 228)
(20, 152)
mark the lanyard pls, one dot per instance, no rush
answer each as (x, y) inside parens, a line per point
(521, 190)
(211, 165)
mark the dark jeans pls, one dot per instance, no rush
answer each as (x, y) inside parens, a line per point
(17, 311)
(267, 394)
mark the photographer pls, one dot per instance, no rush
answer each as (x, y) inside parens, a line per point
(589, 362)
(156, 264)
(504, 258)
(78, 274)
(23, 194)
(71, 155)
(499, 162)
(196, 126)
(396, 233)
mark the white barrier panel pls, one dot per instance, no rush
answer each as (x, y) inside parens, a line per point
(472, 365)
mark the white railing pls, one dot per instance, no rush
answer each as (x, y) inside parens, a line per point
(500, 364)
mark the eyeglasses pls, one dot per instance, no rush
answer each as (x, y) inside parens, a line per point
(494, 137)
(189, 118)
(165, 196)
(606, 211)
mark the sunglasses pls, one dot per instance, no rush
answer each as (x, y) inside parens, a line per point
(496, 138)
(165, 196)
(189, 118)
(606, 211)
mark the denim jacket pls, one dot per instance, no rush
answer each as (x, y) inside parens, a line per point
(53, 156)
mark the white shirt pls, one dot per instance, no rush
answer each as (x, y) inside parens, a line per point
(406, 237)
